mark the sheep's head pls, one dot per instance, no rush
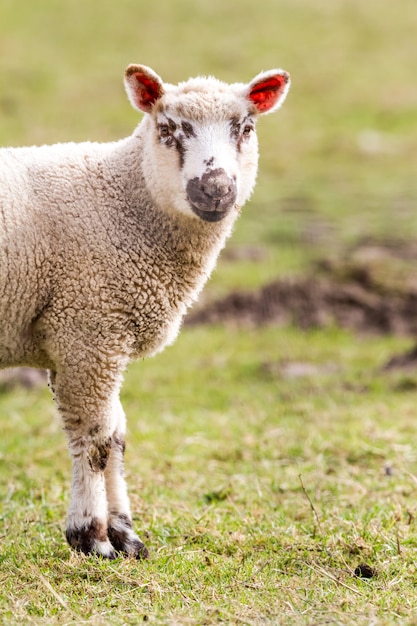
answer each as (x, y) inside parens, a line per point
(202, 150)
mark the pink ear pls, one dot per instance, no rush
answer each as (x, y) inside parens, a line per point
(268, 90)
(143, 87)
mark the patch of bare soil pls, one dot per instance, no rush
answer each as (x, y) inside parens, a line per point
(371, 288)
(404, 361)
(315, 303)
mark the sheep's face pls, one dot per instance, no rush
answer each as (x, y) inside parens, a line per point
(201, 135)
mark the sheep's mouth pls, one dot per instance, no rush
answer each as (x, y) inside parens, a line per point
(209, 215)
(212, 196)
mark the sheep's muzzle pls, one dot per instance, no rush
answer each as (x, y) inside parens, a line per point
(213, 195)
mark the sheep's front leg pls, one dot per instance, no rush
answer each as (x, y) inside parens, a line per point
(87, 516)
(120, 530)
(86, 406)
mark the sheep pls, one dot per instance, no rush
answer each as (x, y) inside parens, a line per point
(103, 248)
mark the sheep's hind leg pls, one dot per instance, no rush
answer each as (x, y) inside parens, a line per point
(120, 530)
(89, 425)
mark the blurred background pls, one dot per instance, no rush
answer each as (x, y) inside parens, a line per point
(337, 161)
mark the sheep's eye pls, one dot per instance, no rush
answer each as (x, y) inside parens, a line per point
(164, 130)
(247, 130)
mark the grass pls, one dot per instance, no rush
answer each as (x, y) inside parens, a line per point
(259, 492)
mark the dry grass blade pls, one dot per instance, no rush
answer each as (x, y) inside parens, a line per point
(320, 570)
(56, 595)
(313, 508)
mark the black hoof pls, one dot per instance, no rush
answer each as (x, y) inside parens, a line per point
(125, 540)
(91, 538)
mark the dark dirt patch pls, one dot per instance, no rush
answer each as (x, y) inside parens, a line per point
(371, 288)
(365, 571)
(405, 361)
(316, 303)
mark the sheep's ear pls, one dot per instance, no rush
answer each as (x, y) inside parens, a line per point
(143, 87)
(268, 90)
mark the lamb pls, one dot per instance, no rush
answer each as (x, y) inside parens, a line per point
(103, 248)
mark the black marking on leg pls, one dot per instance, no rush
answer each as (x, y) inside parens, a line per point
(120, 443)
(118, 451)
(98, 454)
(121, 517)
(124, 540)
(84, 539)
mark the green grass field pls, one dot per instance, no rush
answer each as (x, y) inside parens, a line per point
(265, 464)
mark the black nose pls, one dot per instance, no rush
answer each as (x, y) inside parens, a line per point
(213, 195)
